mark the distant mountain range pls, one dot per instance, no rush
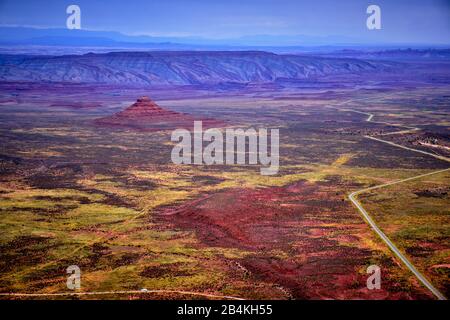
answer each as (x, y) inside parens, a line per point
(55, 36)
(180, 67)
(19, 36)
(396, 55)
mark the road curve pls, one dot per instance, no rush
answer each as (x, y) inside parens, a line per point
(390, 244)
(370, 221)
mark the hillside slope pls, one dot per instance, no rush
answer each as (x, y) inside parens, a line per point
(143, 68)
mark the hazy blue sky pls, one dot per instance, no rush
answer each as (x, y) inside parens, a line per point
(419, 21)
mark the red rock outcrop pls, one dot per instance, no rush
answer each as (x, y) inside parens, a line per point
(145, 114)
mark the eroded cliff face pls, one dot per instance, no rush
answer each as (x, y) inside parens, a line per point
(180, 68)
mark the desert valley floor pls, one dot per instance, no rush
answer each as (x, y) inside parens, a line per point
(74, 191)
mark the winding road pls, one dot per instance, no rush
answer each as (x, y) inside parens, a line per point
(372, 223)
(353, 199)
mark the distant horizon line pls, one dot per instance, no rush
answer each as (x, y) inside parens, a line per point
(216, 41)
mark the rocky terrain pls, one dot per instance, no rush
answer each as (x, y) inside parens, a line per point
(180, 68)
(145, 114)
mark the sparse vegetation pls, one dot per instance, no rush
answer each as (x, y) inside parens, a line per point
(110, 201)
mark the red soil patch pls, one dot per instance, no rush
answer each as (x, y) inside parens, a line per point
(145, 114)
(318, 234)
